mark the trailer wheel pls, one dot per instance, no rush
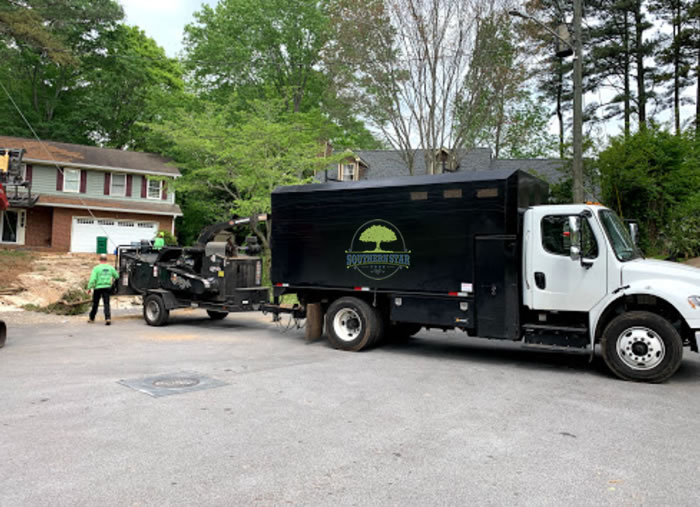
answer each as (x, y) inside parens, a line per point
(352, 324)
(642, 346)
(214, 315)
(154, 311)
(3, 334)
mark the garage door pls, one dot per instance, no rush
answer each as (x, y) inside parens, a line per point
(85, 231)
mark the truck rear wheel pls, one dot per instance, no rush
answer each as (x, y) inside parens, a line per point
(154, 311)
(352, 324)
(214, 315)
(642, 346)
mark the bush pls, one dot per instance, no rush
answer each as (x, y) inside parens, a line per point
(654, 177)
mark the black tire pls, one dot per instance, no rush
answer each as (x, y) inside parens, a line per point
(214, 315)
(3, 334)
(352, 324)
(154, 311)
(642, 347)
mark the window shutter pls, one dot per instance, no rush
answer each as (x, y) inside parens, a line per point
(83, 181)
(28, 174)
(108, 181)
(129, 183)
(59, 180)
(165, 191)
(144, 187)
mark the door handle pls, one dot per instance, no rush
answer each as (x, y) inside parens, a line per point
(540, 280)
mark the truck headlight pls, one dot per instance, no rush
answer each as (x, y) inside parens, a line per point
(694, 301)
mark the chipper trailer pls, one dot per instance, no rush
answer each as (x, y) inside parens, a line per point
(481, 252)
(213, 275)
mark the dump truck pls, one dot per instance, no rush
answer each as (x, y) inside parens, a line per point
(481, 252)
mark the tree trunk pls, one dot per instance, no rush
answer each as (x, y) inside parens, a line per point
(676, 67)
(560, 114)
(626, 64)
(639, 53)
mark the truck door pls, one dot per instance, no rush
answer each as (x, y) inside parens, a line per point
(553, 281)
(496, 291)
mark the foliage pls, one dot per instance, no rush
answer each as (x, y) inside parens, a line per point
(61, 308)
(133, 75)
(653, 176)
(260, 49)
(234, 160)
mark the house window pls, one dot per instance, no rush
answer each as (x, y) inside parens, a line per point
(155, 189)
(118, 185)
(71, 180)
(12, 226)
(347, 172)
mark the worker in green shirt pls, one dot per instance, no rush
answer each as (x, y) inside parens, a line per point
(100, 285)
(159, 241)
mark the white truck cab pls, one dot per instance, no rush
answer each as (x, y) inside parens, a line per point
(583, 274)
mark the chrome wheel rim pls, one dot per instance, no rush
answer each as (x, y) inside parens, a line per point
(347, 324)
(152, 311)
(640, 348)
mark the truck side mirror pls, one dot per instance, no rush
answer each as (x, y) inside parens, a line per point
(575, 237)
(634, 232)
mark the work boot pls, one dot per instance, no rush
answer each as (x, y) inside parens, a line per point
(108, 322)
(91, 321)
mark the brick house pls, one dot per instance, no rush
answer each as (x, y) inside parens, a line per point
(82, 192)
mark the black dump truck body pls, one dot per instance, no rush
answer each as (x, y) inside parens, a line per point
(438, 250)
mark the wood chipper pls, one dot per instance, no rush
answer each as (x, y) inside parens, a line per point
(217, 276)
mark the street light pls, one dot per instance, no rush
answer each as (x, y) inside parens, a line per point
(567, 50)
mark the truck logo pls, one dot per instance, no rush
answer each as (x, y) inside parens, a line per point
(377, 250)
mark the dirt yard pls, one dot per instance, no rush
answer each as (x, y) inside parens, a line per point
(694, 262)
(44, 278)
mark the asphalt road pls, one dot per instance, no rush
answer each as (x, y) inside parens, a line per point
(439, 420)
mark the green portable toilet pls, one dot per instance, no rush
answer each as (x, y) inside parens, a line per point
(101, 244)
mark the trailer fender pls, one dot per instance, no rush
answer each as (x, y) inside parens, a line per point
(169, 298)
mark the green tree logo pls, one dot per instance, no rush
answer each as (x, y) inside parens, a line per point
(378, 234)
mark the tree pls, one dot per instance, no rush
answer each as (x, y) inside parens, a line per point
(48, 89)
(231, 161)
(404, 68)
(259, 49)
(134, 74)
(378, 234)
(652, 176)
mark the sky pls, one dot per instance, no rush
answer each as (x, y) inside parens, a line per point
(163, 20)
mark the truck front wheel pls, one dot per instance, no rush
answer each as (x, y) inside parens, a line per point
(352, 324)
(642, 346)
(154, 311)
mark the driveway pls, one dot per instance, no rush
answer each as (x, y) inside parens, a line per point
(441, 419)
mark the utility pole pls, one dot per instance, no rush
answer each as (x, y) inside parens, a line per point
(577, 169)
(575, 49)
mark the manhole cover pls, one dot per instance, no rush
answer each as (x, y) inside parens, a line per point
(175, 383)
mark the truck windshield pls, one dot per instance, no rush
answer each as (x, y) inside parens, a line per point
(622, 243)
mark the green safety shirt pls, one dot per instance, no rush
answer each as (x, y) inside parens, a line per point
(101, 277)
(158, 243)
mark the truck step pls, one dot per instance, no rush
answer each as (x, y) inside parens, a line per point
(546, 328)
